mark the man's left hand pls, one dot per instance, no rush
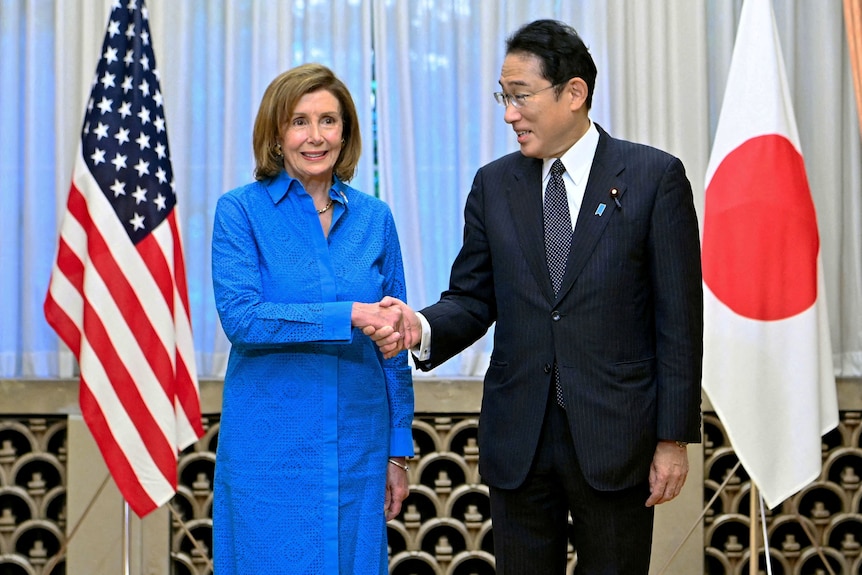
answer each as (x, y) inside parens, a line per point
(667, 473)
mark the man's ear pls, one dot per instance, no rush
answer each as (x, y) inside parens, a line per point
(578, 91)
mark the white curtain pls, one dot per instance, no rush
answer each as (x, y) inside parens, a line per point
(432, 66)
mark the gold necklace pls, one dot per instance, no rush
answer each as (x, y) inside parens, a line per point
(326, 207)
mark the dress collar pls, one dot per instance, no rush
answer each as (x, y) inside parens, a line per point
(282, 184)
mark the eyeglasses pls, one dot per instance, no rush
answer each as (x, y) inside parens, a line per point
(517, 100)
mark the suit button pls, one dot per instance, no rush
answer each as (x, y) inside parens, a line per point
(547, 368)
(555, 315)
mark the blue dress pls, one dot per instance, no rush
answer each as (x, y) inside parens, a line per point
(311, 410)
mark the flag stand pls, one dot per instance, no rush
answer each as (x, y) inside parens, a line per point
(752, 534)
(754, 555)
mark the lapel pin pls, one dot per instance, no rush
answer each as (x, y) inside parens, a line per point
(600, 210)
(615, 194)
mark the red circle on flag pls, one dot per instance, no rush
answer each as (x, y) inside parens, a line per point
(760, 240)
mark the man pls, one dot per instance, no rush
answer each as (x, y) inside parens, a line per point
(610, 316)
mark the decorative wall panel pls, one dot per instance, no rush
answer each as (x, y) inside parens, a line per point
(445, 527)
(445, 524)
(32, 496)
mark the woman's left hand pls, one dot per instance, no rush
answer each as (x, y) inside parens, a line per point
(397, 489)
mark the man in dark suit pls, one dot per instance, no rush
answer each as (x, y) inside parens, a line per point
(593, 388)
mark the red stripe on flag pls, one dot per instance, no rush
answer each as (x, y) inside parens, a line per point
(154, 258)
(63, 325)
(186, 390)
(72, 268)
(179, 265)
(70, 264)
(115, 458)
(188, 397)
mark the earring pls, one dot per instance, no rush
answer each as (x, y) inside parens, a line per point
(277, 150)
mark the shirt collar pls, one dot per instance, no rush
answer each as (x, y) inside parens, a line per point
(578, 158)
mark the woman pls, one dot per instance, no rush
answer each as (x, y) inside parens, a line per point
(315, 423)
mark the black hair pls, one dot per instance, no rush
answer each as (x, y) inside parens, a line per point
(561, 52)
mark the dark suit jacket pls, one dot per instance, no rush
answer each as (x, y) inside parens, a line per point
(626, 329)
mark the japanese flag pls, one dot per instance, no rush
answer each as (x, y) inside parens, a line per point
(767, 355)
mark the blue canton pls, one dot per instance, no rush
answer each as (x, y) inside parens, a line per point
(124, 140)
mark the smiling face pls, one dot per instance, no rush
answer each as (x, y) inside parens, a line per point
(547, 124)
(312, 139)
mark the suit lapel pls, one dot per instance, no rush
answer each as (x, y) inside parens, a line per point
(524, 194)
(592, 218)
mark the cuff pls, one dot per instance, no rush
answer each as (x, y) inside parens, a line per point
(423, 350)
(401, 442)
(336, 321)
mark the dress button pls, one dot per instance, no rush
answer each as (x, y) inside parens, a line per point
(547, 368)
(555, 315)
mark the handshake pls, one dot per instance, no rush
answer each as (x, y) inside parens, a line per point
(390, 323)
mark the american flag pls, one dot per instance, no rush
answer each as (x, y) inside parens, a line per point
(118, 295)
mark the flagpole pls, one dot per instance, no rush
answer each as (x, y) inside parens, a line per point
(752, 514)
(126, 537)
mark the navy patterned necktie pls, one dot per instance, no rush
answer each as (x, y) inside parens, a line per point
(558, 238)
(558, 225)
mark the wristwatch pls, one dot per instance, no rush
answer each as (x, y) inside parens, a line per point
(681, 443)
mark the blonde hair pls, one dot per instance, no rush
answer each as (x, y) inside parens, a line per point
(277, 106)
